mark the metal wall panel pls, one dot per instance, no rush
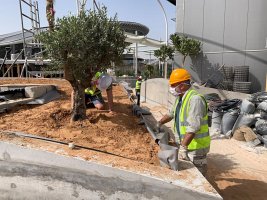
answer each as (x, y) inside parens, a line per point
(257, 21)
(213, 25)
(257, 61)
(193, 23)
(235, 25)
(234, 59)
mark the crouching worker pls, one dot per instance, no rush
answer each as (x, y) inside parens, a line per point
(93, 96)
(190, 114)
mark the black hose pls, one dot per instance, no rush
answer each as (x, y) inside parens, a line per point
(227, 104)
(20, 134)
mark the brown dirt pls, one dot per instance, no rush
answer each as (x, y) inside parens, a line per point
(117, 132)
(236, 172)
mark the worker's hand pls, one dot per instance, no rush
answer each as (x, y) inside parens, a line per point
(183, 153)
(94, 82)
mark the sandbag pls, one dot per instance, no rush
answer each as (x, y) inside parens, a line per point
(244, 119)
(257, 97)
(261, 127)
(245, 133)
(216, 120)
(239, 135)
(228, 121)
(247, 107)
(264, 138)
(262, 106)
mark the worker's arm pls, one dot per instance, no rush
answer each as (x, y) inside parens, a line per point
(187, 139)
(110, 98)
(165, 119)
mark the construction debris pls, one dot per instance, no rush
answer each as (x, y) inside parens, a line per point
(244, 120)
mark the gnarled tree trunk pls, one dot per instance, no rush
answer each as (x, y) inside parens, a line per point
(77, 96)
(78, 109)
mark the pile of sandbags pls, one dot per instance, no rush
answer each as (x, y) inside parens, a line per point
(243, 119)
(224, 116)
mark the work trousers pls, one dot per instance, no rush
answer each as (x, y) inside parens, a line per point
(138, 97)
(199, 159)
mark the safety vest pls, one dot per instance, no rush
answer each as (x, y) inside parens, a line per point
(138, 85)
(93, 90)
(202, 137)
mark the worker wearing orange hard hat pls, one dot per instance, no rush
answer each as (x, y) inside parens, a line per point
(190, 114)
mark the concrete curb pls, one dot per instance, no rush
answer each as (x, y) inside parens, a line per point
(34, 174)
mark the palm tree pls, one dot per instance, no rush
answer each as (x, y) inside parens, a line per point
(50, 14)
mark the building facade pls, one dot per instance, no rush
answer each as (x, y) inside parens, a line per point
(233, 33)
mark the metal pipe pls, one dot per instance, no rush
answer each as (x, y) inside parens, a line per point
(13, 63)
(25, 135)
(78, 7)
(136, 56)
(166, 39)
(240, 51)
(166, 22)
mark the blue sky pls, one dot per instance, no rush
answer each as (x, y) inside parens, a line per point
(147, 12)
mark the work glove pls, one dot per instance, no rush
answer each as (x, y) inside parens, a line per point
(183, 153)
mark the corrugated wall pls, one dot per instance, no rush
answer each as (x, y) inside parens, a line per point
(233, 33)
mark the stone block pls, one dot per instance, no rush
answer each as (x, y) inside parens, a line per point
(37, 91)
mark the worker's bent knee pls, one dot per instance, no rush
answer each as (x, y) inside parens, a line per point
(99, 106)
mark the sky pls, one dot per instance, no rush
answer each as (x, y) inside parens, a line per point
(146, 12)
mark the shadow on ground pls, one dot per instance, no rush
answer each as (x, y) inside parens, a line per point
(222, 175)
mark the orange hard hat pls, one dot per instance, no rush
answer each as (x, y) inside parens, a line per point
(179, 75)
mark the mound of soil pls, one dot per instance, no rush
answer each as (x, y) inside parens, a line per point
(116, 132)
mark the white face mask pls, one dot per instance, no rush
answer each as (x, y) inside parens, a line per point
(174, 92)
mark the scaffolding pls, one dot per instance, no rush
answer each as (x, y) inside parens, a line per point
(29, 12)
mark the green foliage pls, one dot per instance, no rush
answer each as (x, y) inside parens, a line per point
(164, 52)
(149, 71)
(85, 44)
(186, 46)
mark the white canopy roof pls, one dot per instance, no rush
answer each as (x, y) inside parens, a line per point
(143, 40)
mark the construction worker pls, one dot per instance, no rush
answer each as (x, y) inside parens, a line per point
(138, 88)
(190, 116)
(93, 94)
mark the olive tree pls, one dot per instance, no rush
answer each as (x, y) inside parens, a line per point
(186, 46)
(83, 45)
(163, 53)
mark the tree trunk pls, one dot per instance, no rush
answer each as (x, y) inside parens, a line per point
(165, 69)
(79, 109)
(183, 62)
(50, 14)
